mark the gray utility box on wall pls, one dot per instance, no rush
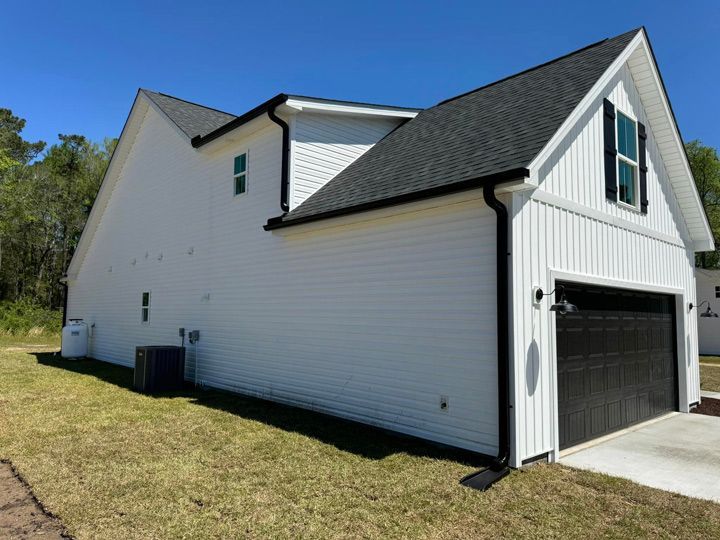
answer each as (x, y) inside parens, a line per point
(159, 368)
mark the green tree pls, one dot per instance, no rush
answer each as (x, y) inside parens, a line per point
(12, 145)
(705, 166)
(43, 209)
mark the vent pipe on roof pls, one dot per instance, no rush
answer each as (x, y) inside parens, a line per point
(285, 174)
(498, 469)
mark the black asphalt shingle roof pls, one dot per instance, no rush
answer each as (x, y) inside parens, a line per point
(191, 118)
(494, 130)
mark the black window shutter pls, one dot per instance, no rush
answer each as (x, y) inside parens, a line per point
(642, 165)
(610, 150)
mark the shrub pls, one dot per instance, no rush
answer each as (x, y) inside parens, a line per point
(28, 318)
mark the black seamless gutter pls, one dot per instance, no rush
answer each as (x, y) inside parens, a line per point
(200, 140)
(496, 178)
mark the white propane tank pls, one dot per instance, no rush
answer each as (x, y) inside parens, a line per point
(74, 339)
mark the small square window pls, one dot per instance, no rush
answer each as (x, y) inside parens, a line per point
(717, 291)
(145, 307)
(240, 174)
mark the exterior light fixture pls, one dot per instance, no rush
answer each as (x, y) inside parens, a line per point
(707, 313)
(563, 306)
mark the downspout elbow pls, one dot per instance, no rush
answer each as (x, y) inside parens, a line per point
(285, 168)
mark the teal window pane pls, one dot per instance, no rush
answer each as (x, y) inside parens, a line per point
(626, 183)
(240, 184)
(627, 136)
(621, 139)
(240, 163)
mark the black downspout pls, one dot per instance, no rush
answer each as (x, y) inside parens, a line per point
(285, 175)
(498, 469)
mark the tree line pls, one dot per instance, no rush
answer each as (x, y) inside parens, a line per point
(46, 194)
(45, 197)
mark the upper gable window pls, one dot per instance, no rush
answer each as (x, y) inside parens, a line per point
(626, 171)
(240, 174)
(627, 148)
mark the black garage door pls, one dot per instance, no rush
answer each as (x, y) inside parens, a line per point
(616, 361)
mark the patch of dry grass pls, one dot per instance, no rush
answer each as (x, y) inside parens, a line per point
(709, 377)
(115, 464)
(710, 360)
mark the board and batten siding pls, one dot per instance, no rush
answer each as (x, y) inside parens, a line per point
(324, 144)
(373, 320)
(708, 328)
(568, 227)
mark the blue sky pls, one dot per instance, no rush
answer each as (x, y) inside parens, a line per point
(74, 67)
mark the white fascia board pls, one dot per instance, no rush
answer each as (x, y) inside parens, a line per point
(297, 105)
(704, 242)
(112, 173)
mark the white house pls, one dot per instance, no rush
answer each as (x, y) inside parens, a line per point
(345, 257)
(708, 295)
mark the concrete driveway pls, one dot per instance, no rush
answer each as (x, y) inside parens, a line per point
(680, 453)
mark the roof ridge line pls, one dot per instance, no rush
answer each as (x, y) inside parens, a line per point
(538, 66)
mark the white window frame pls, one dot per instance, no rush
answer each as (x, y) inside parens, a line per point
(143, 307)
(245, 173)
(634, 164)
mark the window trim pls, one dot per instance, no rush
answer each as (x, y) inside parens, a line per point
(245, 173)
(143, 307)
(635, 164)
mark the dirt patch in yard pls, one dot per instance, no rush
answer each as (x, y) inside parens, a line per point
(709, 406)
(21, 516)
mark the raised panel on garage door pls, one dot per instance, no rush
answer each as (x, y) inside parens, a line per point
(616, 361)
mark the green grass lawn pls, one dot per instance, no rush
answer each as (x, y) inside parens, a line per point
(111, 463)
(710, 373)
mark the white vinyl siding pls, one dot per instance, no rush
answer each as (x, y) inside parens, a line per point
(567, 226)
(324, 144)
(372, 321)
(574, 166)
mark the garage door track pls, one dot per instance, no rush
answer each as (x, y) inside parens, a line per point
(679, 453)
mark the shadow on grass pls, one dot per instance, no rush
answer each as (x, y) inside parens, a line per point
(348, 436)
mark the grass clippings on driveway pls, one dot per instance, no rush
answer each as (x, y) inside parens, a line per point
(111, 463)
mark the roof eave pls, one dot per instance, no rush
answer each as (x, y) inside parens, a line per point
(200, 140)
(280, 222)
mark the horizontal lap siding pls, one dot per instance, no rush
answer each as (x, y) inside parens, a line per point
(324, 144)
(549, 236)
(373, 321)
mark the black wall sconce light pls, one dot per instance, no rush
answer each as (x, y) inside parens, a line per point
(707, 313)
(563, 306)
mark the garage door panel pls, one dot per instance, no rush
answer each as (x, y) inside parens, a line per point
(616, 361)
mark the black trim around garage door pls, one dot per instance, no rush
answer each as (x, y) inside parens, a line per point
(616, 361)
